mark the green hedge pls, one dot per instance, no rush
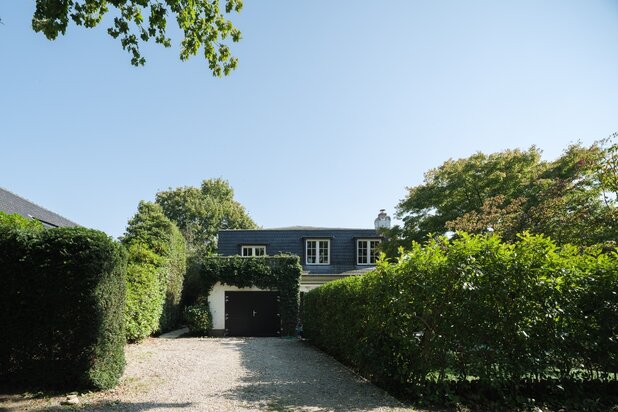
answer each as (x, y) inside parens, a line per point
(199, 318)
(281, 273)
(156, 272)
(474, 308)
(62, 297)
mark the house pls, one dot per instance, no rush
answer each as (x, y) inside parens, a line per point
(10, 203)
(326, 254)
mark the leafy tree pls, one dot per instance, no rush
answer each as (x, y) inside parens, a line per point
(571, 199)
(201, 212)
(608, 167)
(15, 220)
(203, 23)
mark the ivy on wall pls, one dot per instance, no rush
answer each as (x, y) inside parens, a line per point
(281, 272)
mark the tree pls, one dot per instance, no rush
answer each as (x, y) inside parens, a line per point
(203, 23)
(201, 212)
(569, 199)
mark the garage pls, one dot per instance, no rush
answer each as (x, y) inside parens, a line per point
(252, 313)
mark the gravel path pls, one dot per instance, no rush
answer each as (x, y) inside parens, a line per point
(231, 374)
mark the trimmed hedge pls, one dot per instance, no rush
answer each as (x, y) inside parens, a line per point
(144, 304)
(281, 273)
(156, 272)
(474, 308)
(62, 297)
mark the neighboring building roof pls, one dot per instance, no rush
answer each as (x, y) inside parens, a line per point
(11, 203)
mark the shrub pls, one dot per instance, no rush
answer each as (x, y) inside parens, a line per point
(198, 318)
(157, 266)
(62, 297)
(474, 307)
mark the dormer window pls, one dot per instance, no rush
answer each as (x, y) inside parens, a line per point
(367, 251)
(252, 250)
(317, 252)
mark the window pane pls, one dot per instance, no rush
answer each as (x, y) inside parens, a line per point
(323, 251)
(260, 251)
(374, 251)
(311, 251)
(362, 252)
(246, 251)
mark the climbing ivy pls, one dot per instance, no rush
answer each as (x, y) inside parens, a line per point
(281, 272)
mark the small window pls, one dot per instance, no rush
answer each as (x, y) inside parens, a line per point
(367, 251)
(318, 252)
(252, 250)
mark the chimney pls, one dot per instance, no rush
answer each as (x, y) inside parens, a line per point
(383, 221)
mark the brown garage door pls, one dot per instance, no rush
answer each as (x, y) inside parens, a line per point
(252, 314)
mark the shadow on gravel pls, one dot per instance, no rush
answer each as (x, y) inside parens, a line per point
(289, 374)
(120, 406)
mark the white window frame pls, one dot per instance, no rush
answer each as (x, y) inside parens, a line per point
(317, 251)
(367, 244)
(253, 249)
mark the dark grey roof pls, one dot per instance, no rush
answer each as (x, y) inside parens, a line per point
(293, 228)
(10, 203)
(343, 245)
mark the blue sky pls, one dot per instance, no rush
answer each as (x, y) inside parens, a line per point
(335, 108)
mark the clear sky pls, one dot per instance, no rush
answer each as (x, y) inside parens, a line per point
(335, 108)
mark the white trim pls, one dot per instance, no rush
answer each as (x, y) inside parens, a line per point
(367, 243)
(317, 251)
(253, 249)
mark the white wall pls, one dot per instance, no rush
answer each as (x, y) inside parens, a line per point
(216, 301)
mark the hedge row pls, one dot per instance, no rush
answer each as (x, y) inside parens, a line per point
(155, 273)
(474, 308)
(62, 296)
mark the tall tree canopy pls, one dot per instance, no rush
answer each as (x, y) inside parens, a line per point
(203, 23)
(571, 199)
(201, 212)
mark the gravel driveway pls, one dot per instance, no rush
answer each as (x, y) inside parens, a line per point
(230, 374)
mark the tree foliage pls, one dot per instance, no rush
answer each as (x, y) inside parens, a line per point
(203, 23)
(201, 212)
(571, 199)
(17, 221)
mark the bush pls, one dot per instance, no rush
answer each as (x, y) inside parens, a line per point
(198, 318)
(155, 276)
(474, 308)
(62, 297)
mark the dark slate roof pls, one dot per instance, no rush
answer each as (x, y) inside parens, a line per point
(297, 228)
(10, 203)
(292, 240)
